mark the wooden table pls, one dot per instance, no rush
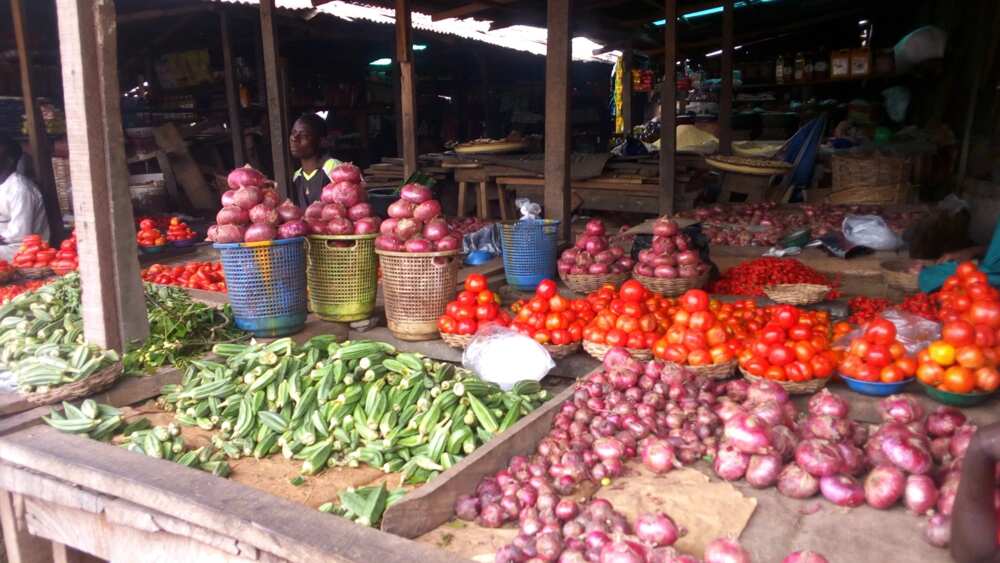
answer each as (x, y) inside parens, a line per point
(638, 195)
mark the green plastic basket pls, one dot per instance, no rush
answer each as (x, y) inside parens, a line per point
(956, 399)
(342, 273)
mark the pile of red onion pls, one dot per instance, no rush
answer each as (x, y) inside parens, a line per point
(671, 255)
(251, 212)
(343, 207)
(594, 254)
(667, 417)
(415, 224)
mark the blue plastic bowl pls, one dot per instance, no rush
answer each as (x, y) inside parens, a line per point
(875, 388)
(477, 257)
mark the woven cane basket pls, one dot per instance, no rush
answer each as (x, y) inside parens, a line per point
(416, 288)
(342, 275)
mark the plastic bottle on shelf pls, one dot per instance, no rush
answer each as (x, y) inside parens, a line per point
(800, 67)
(779, 70)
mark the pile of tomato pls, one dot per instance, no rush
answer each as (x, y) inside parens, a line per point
(149, 235)
(475, 305)
(67, 260)
(696, 336)
(207, 276)
(551, 318)
(921, 304)
(178, 231)
(878, 355)
(633, 317)
(865, 309)
(34, 253)
(793, 345)
(10, 291)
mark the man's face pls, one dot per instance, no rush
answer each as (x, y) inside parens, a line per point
(302, 142)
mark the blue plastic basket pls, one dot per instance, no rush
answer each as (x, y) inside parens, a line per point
(266, 283)
(529, 251)
(875, 388)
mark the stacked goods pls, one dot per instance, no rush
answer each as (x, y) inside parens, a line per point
(696, 337)
(794, 346)
(752, 276)
(671, 255)
(149, 236)
(635, 319)
(34, 253)
(878, 355)
(104, 422)
(550, 318)
(594, 254)
(415, 224)
(67, 260)
(333, 404)
(251, 212)
(864, 309)
(343, 208)
(475, 306)
(967, 295)
(921, 304)
(179, 232)
(206, 276)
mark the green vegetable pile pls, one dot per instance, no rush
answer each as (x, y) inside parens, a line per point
(342, 404)
(365, 505)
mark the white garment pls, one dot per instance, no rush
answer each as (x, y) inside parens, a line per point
(21, 213)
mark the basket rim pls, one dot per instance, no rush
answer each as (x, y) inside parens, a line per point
(899, 265)
(259, 244)
(544, 222)
(591, 276)
(395, 254)
(791, 286)
(342, 237)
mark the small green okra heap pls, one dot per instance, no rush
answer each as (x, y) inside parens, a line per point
(333, 404)
(104, 422)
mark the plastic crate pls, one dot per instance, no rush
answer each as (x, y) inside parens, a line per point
(266, 283)
(529, 251)
(342, 274)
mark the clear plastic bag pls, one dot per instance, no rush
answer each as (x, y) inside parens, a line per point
(870, 231)
(504, 357)
(529, 209)
(913, 331)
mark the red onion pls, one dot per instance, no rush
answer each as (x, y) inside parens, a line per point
(665, 228)
(853, 458)
(594, 227)
(259, 232)
(747, 433)
(346, 172)
(418, 245)
(315, 210)
(900, 408)
(828, 404)
(884, 486)
(244, 176)
(665, 271)
(946, 495)
(938, 531)
(232, 215)
(770, 412)
(609, 448)
(226, 234)
(763, 470)
(764, 390)
(407, 228)
(724, 550)
(784, 441)
(401, 209)
(332, 211)
(622, 552)
(944, 421)
(366, 226)
(549, 546)
(348, 194)
(292, 229)
(826, 428)
(436, 229)
(388, 227)
(449, 242)
(467, 507)
(731, 463)
(360, 211)
(796, 482)
(842, 490)
(818, 458)
(340, 226)
(388, 242)
(415, 193)
(907, 454)
(227, 198)
(804, 557)
(261, 213)
(658, 455)
(920, 494)
(269, 197)
(566, 509)
(247, 197)
(427, 210)
(960, 440)
(287, 211)
(657, 529)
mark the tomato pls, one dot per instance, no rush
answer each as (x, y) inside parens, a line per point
(850, 365)
(958, 379)
(699, 357)
(859, 348)
(966, 269)
(907, 365)
(822, 366)
(466, 297)
(878, 356)
(715, 336)
(541, 336)
(780, 355)
(755, 367)
(554, 322)
(560, 337)
(627, 323)
(597, 335)
(891, 374)
(485, 297)
(465, 312)
(720, 354)
(970, 357)
(804, 351)
(694, 340)
(451, 309)
(681, 317)
(647, 323)
(881, 331)
(466, 326)
(633, 291)
(575, 332)
(546, 289)
(942, 353)
(985, 337)
(800, 332)
(930, 373)
(659, 347)
(635, 340)
(675, 353)
(776, 373)
(760, 348)
(693, 300)
(616, 337)
(787, 316)
(446, 324)
(772, 333)
(985, 313)
(487, 311)
(538, 305)
(147, 224)
(866, 372)
(987, 379)
(897, 350)
(558, 303)
(958, 333)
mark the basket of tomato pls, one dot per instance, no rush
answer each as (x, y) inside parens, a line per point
(633, 318)
(876, 363)
(149, 238)
(698, 339)
(34, 258)
(553, 320)
(6, 271)
(67, 260)
(791, 349)
(206, 276)
(179, 234)
(476, 305)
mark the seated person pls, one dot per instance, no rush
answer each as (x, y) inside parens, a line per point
(932, 277)
(21, 209)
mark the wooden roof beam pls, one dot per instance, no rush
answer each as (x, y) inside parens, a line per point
(469, 9)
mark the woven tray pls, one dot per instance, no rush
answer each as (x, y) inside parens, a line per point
(599, 350)
(714, 371)
(587, 283)
(35, 273)
(671, 287)
(793, 387)
(748, 165)
(896, 274)
(797, 293)
(85, 387)
(460, 341)
(562, 350)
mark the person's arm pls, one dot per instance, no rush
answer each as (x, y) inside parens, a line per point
(21, 211)
(974, 517)
(962, 255)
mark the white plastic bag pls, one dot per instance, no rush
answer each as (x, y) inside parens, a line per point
(504, 357)
(529, 209)
(913, 331)
(870, 231)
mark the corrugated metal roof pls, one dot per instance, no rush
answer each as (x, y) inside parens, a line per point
(520, 37)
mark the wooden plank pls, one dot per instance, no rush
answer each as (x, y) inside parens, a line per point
(432, 504)
(183, 166)
(19, 545)
(275, 101)
(557, 103)
(627, 55)
(726, 92)
(62, 553)
(38, 139)
(113, 303)
(407, 87)
(232, 96)
(258, 519)
(668, 110)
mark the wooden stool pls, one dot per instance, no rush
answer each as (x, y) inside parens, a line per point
(482, 200)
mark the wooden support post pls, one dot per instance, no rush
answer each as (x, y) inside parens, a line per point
(407, 87)
(668, 110)
(19, 545)
(627, 55)
(557, 101)
(114, 306)
(726, 91)
(232, 95)
(275, 99)
(38, 140)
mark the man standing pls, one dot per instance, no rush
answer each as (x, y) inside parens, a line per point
(21, 209)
